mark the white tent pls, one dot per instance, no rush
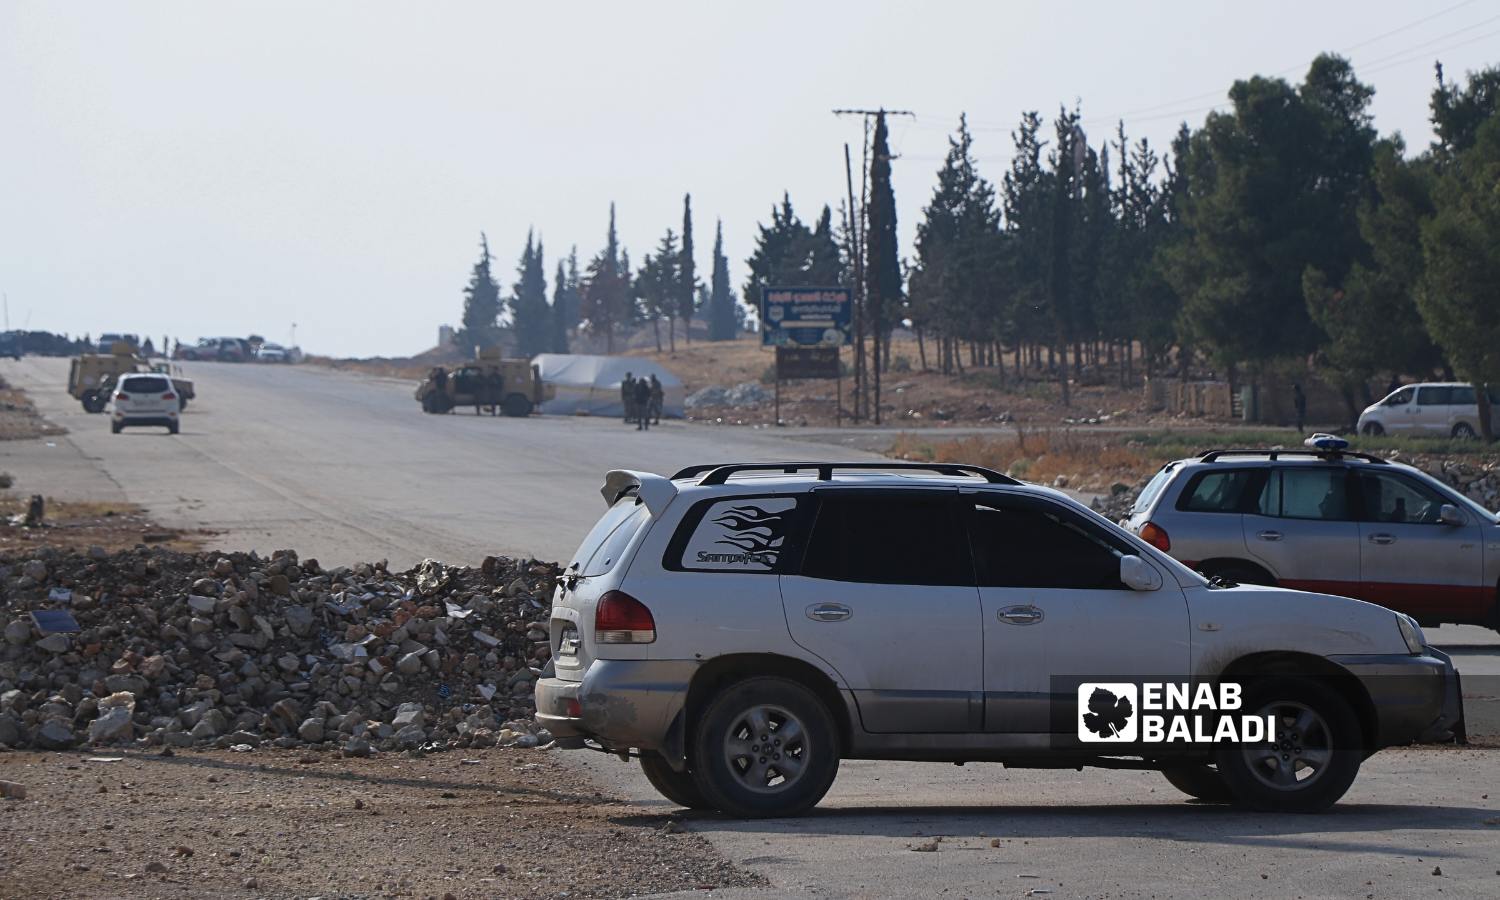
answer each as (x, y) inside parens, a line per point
(591, 384)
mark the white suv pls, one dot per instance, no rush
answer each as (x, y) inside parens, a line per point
(742, 628)
(144, 399)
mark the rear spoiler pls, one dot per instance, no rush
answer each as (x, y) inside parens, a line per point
(653, 490)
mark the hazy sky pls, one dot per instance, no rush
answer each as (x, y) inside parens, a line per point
(225, 168)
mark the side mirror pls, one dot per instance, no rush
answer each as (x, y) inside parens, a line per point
(1139, 575)
(1449, 514)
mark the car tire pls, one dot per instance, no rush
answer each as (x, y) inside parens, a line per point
(1463, 431)
(116, 427)
(94, 402)
(1314, 759)
(1373, 429)
(678, 787)
(517, 406)
(1201, 782)
(727, 759)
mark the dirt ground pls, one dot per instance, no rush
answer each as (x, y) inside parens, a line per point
(19, 419)
(78, 526)
(493, 823)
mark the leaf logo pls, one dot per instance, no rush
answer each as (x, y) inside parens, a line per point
(1107, 712)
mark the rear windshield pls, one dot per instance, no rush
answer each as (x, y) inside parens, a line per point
(1152, 490)
(606, 543)
(146, 384)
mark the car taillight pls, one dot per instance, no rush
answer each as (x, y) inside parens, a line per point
(122, 396)
(169, 396)
(1156, 536)
(621, 619)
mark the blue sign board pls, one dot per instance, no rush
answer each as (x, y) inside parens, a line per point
(806, 316)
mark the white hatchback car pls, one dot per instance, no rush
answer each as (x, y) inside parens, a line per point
(741, 628)
(144, 399)
(1439, 409)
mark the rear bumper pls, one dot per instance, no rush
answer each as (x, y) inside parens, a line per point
(620, 703)
(1416, 699)
(163, 420)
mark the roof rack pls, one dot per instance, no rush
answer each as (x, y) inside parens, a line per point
(718, 473)
(1211, 455)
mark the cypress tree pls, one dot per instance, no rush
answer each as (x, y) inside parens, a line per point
(722, 323)
(686, 292)
(558, 314)
(883, 274)
(481, 303)
(528, 303)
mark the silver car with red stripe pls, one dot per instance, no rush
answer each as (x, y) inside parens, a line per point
(1328, 520)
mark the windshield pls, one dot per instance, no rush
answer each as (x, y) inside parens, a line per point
(145, 384)
(1152, 489)
(609, 538)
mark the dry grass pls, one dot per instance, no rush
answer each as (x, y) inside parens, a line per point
(76, 526)
(1087, 462)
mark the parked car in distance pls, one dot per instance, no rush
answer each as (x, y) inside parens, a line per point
(1331, 521)
(225, 349)
(144, 399)
(1442, 409)
(743, 627)
(272, 353)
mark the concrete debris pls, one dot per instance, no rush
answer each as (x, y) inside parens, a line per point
(741, 395)
(12, 790)
(239, 650)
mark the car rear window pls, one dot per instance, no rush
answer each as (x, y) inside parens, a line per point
(610, 537)
(1221, 491)
(1153, 489)
(146, 384)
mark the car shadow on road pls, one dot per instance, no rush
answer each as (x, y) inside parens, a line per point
(1189, 822)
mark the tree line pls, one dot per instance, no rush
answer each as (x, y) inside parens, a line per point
(605, 298)
(1285, 229)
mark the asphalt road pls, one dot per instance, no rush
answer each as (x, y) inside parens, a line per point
(346, 468)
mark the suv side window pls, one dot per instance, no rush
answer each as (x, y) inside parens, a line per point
(1217, 491)
(1434, 396)
(1311, 492)
(1462, 396)
(1039, 545)
(1391, 498)
(892, 537)
(736, 534)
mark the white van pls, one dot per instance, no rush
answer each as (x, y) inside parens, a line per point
(1443, 408)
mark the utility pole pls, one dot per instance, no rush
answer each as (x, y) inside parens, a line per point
(861, 369)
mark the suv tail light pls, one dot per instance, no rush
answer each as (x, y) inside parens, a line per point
(1156, 536)
(621, 619)
(122, 396)
(169, 396)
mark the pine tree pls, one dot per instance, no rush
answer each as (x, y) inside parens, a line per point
(657, 285)
(1026, 197)
(722, 322)
(481, 303)
(607, 301)
(530, 315)
(686, 294)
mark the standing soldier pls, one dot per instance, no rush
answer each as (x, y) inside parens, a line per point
(1299, 404)
(627, 396)
(656, 400)
(642, 404)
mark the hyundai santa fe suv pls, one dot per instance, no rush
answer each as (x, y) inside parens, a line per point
(1329, 520)
(144, 399)
(742, 628)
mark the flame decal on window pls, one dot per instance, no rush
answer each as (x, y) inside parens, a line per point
(751, 529)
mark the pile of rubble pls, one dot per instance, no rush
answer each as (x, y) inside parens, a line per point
(153, 647)
(745, 394)
(1476, 477)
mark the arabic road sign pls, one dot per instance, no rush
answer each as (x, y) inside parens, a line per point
(805, 316)
(807, 362)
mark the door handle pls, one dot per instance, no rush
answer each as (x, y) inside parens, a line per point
(1382, 538)
(1020, 615)
(1269, 535)
(829, 612)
